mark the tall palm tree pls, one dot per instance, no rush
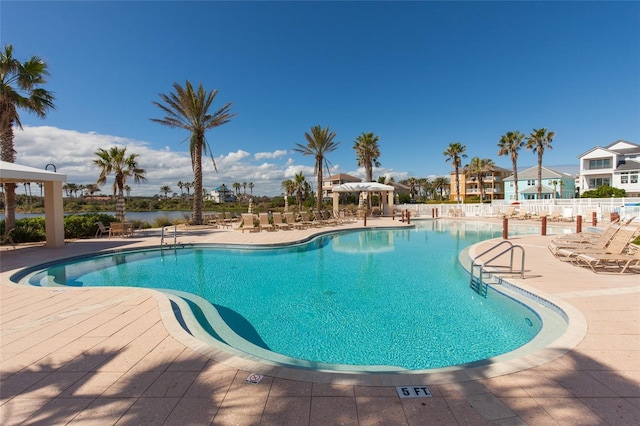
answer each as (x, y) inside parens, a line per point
(455, 153)
(188, 109)
(441, 183)
(244, 187)
(115, 160)
(251, 186)
(319, 143)
(165, 189)
(509, 144)
(289, 187)
(20, 89)
(478, 168)
(237, 186)
(538, 141)
(367, 153)
(300, 187)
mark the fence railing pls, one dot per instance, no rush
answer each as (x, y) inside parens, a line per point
(627, 207)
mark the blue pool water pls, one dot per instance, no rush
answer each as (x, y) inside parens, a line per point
(395, 298)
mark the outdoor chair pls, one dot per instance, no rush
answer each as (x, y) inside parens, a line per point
(264, 222)
(248, 223)
(618, 244)
(291, 220)
(102, 230)
(277, 221)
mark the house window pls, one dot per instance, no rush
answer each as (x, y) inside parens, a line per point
(598, 182)
(531, 182)
(600, 163)
(624, 177)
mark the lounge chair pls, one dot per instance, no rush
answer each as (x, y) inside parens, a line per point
(329, 218)
(618, 244)
(318, 219)
(609, 261)
(577, 239)
(102, 230)
(248, 223)
(305, 219)
(291, 220)
(511, 212)
(277, 221)
(264, 222)
(555, 215)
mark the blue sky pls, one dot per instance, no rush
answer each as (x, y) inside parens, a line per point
(420, 75)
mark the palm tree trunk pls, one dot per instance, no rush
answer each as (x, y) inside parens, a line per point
(539, 175)
(197, 184)
(120, 207)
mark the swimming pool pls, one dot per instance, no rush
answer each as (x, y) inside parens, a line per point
(374, 300)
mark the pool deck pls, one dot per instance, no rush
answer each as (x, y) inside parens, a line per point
(117, 356)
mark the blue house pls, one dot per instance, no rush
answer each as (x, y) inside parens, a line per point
(555, 185)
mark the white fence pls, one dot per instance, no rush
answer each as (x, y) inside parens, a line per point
(603, 208)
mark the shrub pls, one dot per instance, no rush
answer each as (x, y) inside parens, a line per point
(27, 230)
(86, 225)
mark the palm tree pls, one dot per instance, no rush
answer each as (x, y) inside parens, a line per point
(538, 141)
(127, 189)
(289, 187)
(165, 189)
(187, 187)
(244, 187)
(251, 185)
(509, 144)
(123, 166)
(188, 109)
(455, 153)
(237, 186)
(478, 168)
(181, 186)
(367, 153)
(20, 88)
(441, 183)
(300, 187)
(319, 143)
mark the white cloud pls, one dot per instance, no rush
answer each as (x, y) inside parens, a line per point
(73, 153)
(266, 155)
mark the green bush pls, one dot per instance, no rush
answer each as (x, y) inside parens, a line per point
(27, 230)
(604, 191)
(86, 225)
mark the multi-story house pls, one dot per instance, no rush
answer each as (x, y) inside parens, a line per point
(336, 180)
(493, 183)
(555, 185)
(616, 165)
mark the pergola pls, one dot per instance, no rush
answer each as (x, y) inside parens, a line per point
(366, 187)
(53, 208)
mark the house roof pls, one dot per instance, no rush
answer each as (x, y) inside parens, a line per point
(628, 165)
(532, 173)
(534, 190)
(620, 147)
(342, 177)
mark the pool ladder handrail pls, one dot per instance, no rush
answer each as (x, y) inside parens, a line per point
(476, 284)
(175, 236)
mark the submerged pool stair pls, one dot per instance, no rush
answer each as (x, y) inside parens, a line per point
(486, 269)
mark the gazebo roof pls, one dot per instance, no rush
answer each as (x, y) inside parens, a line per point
(362, 187)
(12, 172)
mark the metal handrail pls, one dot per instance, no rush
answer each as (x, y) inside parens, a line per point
(509, 249)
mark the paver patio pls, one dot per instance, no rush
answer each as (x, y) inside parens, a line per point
(106, 356)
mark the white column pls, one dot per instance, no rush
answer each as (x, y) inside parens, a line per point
(53, 214)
